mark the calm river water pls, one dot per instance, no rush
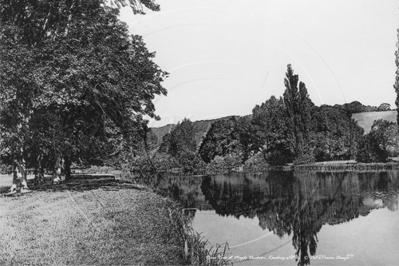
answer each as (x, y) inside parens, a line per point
(300, 218)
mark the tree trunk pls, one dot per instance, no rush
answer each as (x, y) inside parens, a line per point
(15, 179)
(68, 164)
(39, 171)
(24, 181)
(19, 180)
(57, 170)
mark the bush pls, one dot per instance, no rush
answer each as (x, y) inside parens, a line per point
(370, 152)
(304, 158)
(224, 164)
(278, 156)
(379, 143)
(164, 162)
(217, 165)
(256, 163)
(190, 163)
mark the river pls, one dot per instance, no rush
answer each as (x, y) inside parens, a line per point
(294, 218)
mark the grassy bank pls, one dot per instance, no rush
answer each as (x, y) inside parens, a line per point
(93, 222)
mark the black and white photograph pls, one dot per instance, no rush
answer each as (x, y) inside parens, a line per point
(188, 132)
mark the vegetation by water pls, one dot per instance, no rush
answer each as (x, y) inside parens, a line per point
(78, 117)
(289, 129)
(76, 86)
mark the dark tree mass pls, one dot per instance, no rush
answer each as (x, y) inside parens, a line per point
(288, 129)
(396, 84)
(75, 84)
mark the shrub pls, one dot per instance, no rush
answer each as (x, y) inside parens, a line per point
(379, 143)
(190, 162)
(256, 163)
(224, 164)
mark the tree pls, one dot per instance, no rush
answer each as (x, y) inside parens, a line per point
(248, 141)
(190, 162)
(384, 107)
(377, 145)
(298, 109)
(335, 134)
(73, 64)
(354, 107)
(221, 139)
(164, 146)
(180, 147)
(396, 85)
(271, 127)
(181, 139)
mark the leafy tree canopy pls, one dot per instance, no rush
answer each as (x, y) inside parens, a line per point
(377, 145)
(180, 140)
(396, 84)
(221, 139)
(75, 83)
(270, 122)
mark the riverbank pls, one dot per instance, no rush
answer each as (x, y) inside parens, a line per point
(347, 166)
(92, 222)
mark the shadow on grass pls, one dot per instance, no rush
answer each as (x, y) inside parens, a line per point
(80, 183)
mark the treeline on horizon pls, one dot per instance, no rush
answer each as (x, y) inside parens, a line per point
(283, 130)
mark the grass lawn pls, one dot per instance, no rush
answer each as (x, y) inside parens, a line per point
(367, 119)
(89, 222)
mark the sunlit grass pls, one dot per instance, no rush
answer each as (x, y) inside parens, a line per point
(122, 224)
(93, 227)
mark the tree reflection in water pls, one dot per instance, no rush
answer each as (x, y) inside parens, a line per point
(300, 203)
(297, 204)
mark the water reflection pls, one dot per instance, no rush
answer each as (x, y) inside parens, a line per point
(295, 204)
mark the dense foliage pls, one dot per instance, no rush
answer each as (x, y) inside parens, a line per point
(298, 117)
(75, 84)
(180, 139)
(380, 143)
(396, 85)
(335, 135)
(221, 139)
(289, 129)
(179, 147)
(271, 130)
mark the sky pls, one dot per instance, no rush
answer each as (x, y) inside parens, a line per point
(226, 56)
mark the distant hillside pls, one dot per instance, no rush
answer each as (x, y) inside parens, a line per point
(161, 131)
(365, 120)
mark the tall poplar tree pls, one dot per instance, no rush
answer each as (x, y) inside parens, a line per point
(298, 110)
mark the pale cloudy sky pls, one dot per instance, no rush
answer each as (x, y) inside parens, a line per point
(226, 56)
